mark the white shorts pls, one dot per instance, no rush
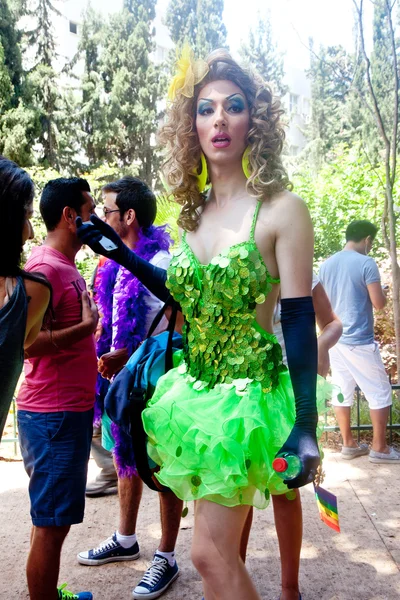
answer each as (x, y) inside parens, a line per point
(362, 366)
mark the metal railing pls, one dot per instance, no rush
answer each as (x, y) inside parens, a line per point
(365, 427)
(327, 428)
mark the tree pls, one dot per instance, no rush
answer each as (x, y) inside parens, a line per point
(19, 123)
(261, 52)
(91, 106)
(387, 130)
(331, 77)
(133, 84)
(199, 22)
(346, 188)
(43, 77)
(6, 87)
(11, 55)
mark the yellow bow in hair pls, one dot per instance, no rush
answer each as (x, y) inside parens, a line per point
(189, 73)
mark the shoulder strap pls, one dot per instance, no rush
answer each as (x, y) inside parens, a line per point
(253, 224)
(139, 439)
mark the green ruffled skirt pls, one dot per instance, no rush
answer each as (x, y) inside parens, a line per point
(219, 444)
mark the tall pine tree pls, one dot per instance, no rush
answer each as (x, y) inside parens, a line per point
(331, 72)
(92, 107)
(19, 124)
(43, 79)
(261, 53)
(198, 22)
(6, 87)
(132, 83)
(11, 55)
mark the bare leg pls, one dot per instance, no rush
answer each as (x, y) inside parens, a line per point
(130, 493)
(289, 527)
(44, 562)
(343, 418)
(170, 511)
(103, 458)
(379, 419)
(216, 551)
(246, 534)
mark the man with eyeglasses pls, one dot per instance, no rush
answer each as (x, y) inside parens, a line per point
(127, 310)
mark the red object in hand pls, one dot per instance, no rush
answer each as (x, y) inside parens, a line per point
(280, 465)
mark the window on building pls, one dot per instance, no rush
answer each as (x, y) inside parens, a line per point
(306, 109)
(294, 103)
(306, 106)
(73, 27)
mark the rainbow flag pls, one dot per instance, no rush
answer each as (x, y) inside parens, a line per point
(327, 506)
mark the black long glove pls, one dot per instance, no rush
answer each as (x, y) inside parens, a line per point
(298, 326)
(153, 278)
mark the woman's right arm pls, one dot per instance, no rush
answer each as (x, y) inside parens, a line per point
(39, 298)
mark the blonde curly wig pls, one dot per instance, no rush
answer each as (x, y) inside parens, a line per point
(265, 138)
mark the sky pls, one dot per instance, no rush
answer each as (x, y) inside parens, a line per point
(293, 22)
(329, 22)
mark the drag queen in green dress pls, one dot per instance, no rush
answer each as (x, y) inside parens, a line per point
(217, 420)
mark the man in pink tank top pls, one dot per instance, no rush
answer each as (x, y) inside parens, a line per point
(55, 402)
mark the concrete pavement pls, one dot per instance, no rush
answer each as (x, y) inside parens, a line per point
(361, 563)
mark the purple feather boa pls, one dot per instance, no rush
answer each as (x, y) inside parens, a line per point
(128, 329)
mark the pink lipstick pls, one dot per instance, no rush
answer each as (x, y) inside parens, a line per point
(221, 140)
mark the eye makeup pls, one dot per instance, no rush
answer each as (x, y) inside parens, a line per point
(203, 105)
(237, 102)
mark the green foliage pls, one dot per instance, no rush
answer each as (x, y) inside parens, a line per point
(167, 214)
(382, 67)
(133, 84)
(346, 188)
(19, 129)
(261, 52)
(384, 325)
(6, 87)
(198, 22)
(331, 74)
(92, 109)
(41, 37)
(106, 173)
(86, 262)
(9, 40)
(43, 79)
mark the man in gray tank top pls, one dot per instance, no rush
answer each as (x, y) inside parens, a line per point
(352, 281)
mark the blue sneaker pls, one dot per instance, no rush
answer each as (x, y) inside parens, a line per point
(108, 551)
(64, 594)
(156, 580)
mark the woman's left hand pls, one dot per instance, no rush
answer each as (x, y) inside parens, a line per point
(304, 444)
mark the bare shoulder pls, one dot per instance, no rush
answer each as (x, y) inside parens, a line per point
(283, 214)
(38, 293)
(284, 208)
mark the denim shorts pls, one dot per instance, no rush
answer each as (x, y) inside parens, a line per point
(55, 448)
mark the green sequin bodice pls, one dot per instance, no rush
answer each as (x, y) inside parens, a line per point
(223, 344)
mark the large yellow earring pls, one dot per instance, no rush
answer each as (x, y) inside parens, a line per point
(247, 170)
(203, 175)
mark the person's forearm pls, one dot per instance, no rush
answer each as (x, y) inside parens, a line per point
(330, 334)
(298, 327)
(50, 342)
